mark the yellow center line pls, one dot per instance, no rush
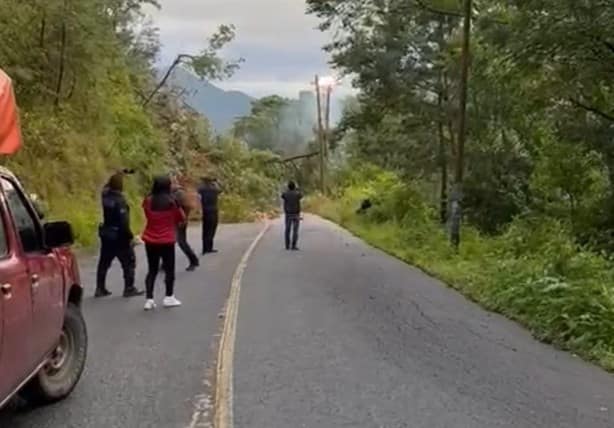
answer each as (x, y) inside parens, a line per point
(224, 371)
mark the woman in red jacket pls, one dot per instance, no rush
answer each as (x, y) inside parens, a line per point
(163, 215)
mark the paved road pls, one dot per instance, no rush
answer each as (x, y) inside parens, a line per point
(148, 370)
(336, 335)
(341, 335)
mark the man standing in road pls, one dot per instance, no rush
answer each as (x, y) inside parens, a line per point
(183, 201)
(116, 238)
(209, 192)
(292, 209)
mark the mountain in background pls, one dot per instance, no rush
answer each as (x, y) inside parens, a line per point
(222, 107)
(219, 106)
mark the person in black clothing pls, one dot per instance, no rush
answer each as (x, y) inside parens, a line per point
(116, 238)
(209, 192)
(364, 206)
(181, 198)
(292, 209)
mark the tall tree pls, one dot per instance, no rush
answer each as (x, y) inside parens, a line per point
(462, 127)
(541, 79)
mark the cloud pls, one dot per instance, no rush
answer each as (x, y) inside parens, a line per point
(270, 22)
(289, 88)
(281, 45)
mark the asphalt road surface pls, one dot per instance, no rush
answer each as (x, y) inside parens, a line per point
(148, 369)
(335, 335)
(341, 335)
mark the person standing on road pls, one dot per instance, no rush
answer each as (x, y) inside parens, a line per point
(163, 215)
(209, 192)
(292, 209)
(116, 238)
(182, 200)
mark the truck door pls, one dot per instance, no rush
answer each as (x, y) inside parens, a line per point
(45, 275)
(17, 359)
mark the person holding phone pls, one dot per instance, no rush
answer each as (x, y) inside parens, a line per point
(209, 192)
(292, 210)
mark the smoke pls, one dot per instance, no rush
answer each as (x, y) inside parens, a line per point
(297, 123)
(285, 126)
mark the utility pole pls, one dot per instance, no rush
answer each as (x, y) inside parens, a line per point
(329, 90)
(457, 193)
(320, 134)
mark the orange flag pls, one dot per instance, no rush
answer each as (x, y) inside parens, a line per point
(10, 132)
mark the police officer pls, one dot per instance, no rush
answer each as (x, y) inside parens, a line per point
(116, 238)
(209, 192)
(182, 200)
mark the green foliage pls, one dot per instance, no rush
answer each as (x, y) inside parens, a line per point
(247, 177)
(277, 124)
(236, 209)
(539, 115)
(570, 182)
(533, 272)
(208, 63)
(82, 72)
(262, 128)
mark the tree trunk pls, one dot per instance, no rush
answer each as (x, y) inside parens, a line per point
(442, 103)
(162, 82)
(443, 164)
(73, 86)
(61, 65)
(449, 123)
(43, 29)
(320, 139)
(327, 121)
(572, 209)
(457, 195)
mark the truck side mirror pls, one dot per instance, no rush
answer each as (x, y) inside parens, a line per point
(58, 234)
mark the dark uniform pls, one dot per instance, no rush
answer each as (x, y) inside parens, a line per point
(292, 209)
(116, 239)
(209, 193)
(182, 229)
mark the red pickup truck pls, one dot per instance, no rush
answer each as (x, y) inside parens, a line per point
(43, 337)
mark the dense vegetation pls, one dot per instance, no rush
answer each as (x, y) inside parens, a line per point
(537, 198)
(277, 124)
(91, 102)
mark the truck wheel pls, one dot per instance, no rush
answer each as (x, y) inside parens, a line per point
(60, 375)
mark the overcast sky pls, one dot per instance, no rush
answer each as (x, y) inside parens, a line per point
(279, 42)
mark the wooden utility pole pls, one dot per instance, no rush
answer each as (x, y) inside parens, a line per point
(320, 134)
(329, 90)
(457, 193)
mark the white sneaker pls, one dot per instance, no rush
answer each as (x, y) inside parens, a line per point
(171, 302)
(150, 304)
